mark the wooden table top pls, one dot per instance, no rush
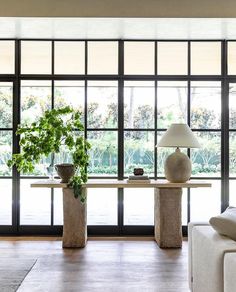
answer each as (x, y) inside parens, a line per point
(113, 183)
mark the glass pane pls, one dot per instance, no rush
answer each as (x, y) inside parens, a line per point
(102, 57)
(35, 204)
(102, 206)
(231, 58)
(205, 202)
(6, 104)
(184, 207)
(35, 99)
(137, 210)
(172, 58)
(205, 105)
(139, 151)
(103, 153)
(5, 152)
(205, 58)
(6, 201)
(232, 193)
(7, 57)
(171, 103)
(65, 155)
(232, 105)
(69, 93)
(102, 104)
(36, 57)
(139, 101)
(206, 161)
(58, 207)
(139, 58)
(232, 154)
(163, 153)
(69, 57)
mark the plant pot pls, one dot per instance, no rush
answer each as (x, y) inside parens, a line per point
(65, 171)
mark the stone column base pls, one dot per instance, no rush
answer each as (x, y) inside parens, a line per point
(168, 221)
(75, 220)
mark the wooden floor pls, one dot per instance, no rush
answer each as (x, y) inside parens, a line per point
(104, 265)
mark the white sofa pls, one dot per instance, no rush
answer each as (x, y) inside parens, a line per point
(212, 260)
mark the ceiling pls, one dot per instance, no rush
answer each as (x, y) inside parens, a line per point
(118, 28)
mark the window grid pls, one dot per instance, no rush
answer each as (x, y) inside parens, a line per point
(121, 78)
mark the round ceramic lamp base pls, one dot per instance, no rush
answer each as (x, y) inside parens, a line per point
(178, 167)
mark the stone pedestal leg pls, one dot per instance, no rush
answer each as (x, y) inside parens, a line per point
(167, 212)
(75, 220)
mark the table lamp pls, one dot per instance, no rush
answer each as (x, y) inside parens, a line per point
(178, 166)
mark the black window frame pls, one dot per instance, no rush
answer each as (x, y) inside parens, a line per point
(120, 229)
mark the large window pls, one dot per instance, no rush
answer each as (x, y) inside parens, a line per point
(129, 93)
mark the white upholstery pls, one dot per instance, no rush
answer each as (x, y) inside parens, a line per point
(190, 228)
(207, 251)
(230, 272)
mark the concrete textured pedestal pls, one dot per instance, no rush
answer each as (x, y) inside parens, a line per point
(168, 221)
(75, 220)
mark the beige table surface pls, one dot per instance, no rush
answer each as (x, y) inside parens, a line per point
(113, 183)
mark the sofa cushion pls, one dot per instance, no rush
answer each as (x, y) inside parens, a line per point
(225, 223)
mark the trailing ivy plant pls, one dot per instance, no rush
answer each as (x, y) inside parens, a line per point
(46, 136)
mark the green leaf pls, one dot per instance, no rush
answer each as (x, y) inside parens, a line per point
(54, 128)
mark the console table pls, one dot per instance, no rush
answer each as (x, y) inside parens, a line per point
(167, 209)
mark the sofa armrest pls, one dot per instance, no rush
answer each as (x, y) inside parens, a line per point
(191, 225)
(229, 272)
(208, 251)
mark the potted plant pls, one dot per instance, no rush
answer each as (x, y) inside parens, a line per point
(55, 128)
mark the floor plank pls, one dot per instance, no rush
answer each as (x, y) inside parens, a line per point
(104, 265)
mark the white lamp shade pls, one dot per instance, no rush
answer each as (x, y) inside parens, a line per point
(179, 135)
